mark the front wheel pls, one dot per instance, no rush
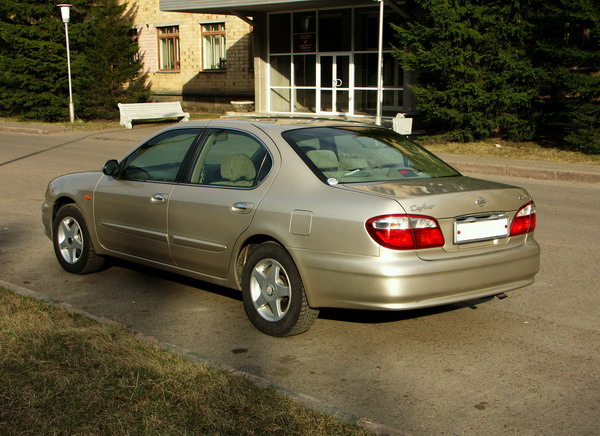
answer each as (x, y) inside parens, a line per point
(273, 294)
(72, 244)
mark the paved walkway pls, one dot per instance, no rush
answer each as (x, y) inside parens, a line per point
(531, 169)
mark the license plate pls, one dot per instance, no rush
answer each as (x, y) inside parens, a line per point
(480, 230)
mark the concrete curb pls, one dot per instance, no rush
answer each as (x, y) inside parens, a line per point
(33, 130)
(305, 400)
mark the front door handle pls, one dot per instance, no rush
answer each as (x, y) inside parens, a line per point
(242, 207)
(159, 198)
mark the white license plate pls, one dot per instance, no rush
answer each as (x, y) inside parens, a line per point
(480, 230)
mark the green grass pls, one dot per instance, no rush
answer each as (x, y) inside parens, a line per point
(62, 373)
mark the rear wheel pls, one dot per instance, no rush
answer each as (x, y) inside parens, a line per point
(273, 293)
(72, 244)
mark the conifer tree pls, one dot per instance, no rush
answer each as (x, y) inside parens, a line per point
(33, 64)
(474, 75)
(33, 69)
(517, 69)
(566, 47)
(107, 69)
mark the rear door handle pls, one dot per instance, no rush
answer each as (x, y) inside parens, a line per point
(242, 207)
(159, 198)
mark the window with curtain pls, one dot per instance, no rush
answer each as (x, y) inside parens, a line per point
(213, 37)
(168, 47)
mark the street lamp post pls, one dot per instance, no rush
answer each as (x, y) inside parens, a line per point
(65, 14)
(378, 118)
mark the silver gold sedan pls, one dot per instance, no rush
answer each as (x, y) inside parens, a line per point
(298, 215)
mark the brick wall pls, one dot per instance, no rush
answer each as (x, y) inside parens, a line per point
(195, 85)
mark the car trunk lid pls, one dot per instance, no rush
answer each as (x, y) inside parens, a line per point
(474, 214)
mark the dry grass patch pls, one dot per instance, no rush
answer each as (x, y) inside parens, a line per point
(512, 150)
(65, 374)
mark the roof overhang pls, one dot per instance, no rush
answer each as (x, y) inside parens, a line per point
(250, 6)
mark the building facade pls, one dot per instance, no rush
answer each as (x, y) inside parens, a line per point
(319, 57)
(203, 59)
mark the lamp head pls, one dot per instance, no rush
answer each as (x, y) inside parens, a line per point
(65, 12)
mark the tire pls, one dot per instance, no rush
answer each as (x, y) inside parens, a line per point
(273, 294)
(72, 244)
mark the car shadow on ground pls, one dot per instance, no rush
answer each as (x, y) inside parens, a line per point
(343, 315)
(382, 317)
(159, 274)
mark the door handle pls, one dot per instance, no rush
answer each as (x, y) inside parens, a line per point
(242, 207)
(159, 198)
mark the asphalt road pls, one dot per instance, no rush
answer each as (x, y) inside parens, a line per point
(528, 364)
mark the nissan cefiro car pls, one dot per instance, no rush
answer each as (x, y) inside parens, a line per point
(299, 215)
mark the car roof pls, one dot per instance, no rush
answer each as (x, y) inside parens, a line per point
(271, 124)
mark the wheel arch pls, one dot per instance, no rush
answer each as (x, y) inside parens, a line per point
(58, 203)
(244, 252)
(61, 201)
(64, 200)
(272, 289)
(75, 250)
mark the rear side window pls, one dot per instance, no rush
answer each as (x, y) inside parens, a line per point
(364, 154)
(231, 158)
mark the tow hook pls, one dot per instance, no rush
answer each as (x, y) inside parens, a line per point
(501, 296)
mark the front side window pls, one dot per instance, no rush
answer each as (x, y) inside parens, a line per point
(213, 37)
(364, 154)
(161, 158)
(231, 158)
(168, 48)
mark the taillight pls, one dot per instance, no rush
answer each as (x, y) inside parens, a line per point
(405, 232)
(524, 221)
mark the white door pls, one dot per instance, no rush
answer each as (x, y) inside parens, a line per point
(334, 84)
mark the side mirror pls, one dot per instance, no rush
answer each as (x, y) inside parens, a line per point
(111, 168)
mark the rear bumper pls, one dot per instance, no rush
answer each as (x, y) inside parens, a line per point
(402, 281)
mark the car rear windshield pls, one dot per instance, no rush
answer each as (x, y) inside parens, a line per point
(364, 154)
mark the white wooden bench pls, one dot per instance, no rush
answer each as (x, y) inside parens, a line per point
(151, 111)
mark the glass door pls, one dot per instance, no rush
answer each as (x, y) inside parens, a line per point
(334, 90)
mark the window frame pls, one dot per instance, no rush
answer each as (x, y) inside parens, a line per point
(163, 36)
(208, 46)
(286, 94)
(262, 158)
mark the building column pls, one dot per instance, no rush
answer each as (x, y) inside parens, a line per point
(261, 62)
